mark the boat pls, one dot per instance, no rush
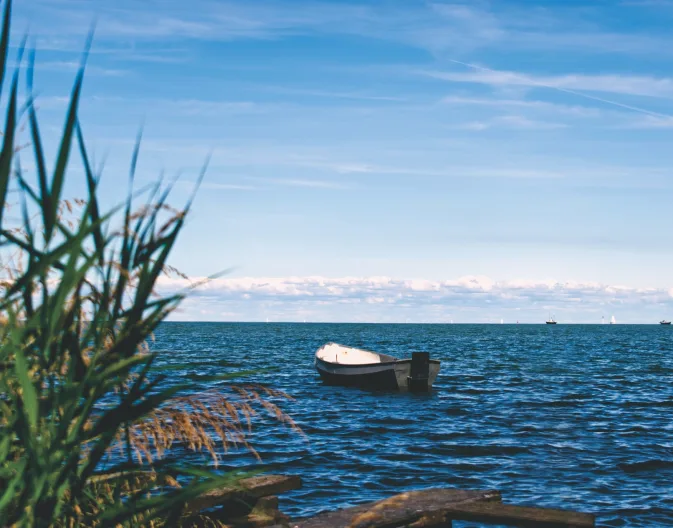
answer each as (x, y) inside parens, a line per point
(613, 320)
(664, 322)
(343, 365)
(550, 320)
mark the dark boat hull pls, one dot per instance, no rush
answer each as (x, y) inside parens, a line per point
(382, 380)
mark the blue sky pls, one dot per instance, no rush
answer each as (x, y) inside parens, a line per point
(389, 160)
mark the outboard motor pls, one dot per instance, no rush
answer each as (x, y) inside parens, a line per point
(420, 372)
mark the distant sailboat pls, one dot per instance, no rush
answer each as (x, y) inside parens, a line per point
(502, 321)
(613, 320)
(602, 319)
(550, 320)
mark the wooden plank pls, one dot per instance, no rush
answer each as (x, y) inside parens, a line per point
(247, 490)
(507, 514)
(423, 508)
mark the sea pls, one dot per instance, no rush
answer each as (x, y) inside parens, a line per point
(576, 417)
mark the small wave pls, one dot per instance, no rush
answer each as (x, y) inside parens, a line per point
(658, 369)
(530, 429)
(646, 465)
(471, 377)
(635, 429)
(656, 403)
(568, 445)
(375, 430)
(391, 420)
(576, 396)
(399, 457)
(455, 411)
(553, 403)
(480, 390)
(485, 450)
(472, 467)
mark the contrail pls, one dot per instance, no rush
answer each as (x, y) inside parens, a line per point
(569, 91)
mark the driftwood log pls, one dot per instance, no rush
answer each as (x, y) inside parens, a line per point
(415, 508)
(246, 492)
(507, 514)
(437, 508)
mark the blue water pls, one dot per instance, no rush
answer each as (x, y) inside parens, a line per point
(567, 416)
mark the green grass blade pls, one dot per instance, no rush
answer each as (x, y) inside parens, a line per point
(12, 489)
(127, 243)
(29, 396)
(4, 40)
(7, 152)
(202, 175)
(47, 206)
(30, 239)
(92, 184)
(66, 140)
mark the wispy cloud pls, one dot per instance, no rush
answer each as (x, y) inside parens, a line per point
(184, 107)
(654, 122)
(448, 171)
(170, 56)
(197, 107)
(228, 186)
(73, 66)
(647, 3)
(308, 183)
(515, 122)
(358, 96)
(51, 102)
(536, 105)
(607, 83)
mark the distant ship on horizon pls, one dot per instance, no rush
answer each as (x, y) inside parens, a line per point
(664, 322)
(550, 320)
(613, 320)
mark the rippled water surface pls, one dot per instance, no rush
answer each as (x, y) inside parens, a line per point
(577, 417)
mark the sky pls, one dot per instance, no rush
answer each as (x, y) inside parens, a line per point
(387, 161)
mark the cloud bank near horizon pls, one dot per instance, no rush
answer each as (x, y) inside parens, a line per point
(466, 299)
